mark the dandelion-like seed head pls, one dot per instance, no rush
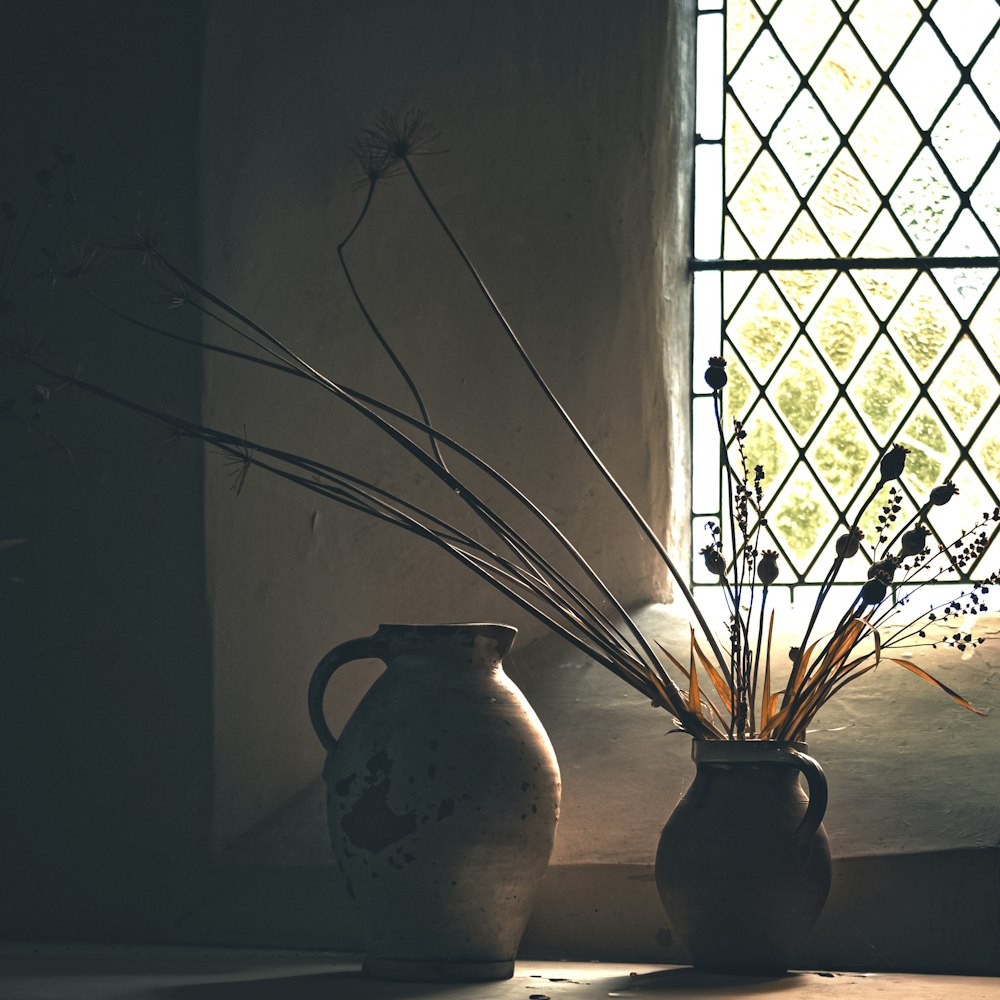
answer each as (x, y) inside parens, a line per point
(395, 137)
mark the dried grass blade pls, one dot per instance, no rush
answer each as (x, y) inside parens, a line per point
(718, 681)
(694, 696)
(767, 703)
(954, 695)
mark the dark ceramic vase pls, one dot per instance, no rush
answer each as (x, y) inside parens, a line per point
(743, 865)
(443, 795)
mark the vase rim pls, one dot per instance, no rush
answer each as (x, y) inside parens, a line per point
(733, 751)
(464, 632)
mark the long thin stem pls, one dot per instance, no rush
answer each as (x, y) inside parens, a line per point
(568, 421)
(373, 326)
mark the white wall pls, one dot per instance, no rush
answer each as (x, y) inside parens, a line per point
(563, 123)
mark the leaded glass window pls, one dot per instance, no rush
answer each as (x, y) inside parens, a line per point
(846, 235)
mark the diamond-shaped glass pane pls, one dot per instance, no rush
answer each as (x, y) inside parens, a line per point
(986, 73)
(767, 444)
(924, 324)
(741, 145)
(761, 328)
(986, 454)
(884, 26)
(985, 324)
(925, 76)
(804, 140)
(740, 391)
(964, 389)
(843, 325)
(965, 137)
(933, 451)
(801, 516)
(925, 202)
(802, 390)
(842, 454)
(764, 82)
(803, 239)
(884, 139)
(844, 202)
(883, 389)
(742, 23)
(763, 204)
(986, 201)
(965, 24)
(844, 79)
(804, 27)
(883, 288)
(965, 286)
(802, 289)
(734, 287)
(883, 238)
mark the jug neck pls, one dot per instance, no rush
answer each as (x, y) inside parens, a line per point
(486, 642)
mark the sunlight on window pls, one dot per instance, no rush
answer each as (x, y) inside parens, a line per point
(846, 232)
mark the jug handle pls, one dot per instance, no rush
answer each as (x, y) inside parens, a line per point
(368, 647)
(816, 780)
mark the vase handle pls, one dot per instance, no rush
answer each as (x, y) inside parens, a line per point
(369, 647)
(816, 780)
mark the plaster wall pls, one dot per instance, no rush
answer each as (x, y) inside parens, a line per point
(564, 126)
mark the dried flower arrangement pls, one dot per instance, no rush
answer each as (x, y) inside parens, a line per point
(570, 599)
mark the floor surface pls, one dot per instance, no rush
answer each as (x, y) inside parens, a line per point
(123, 973)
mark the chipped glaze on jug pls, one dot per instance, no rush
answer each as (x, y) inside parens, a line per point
(443, 796)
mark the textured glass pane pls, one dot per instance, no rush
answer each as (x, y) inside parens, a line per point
(844, 202)
(843, 453)
(883, 238)
(741, 144)
(843, 325)
(742, 23)
(804, 239)
(768, 444)
(986, 201)
(884, 26)
(802, 391)
(740, 391)
(965, 286)
(933, 453)
(804, 27)
(844, 79)
(925, 202)
(986, 73)
(965, 24)
(965, 137)
(964, 389)
(924, 324)
(882, 289)
(763, 204)
(764, 82)
(802, 289)
(801, 517)
(883, 389)
(925, 76)
(804, 140)
(884, 139)
(762, 327)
